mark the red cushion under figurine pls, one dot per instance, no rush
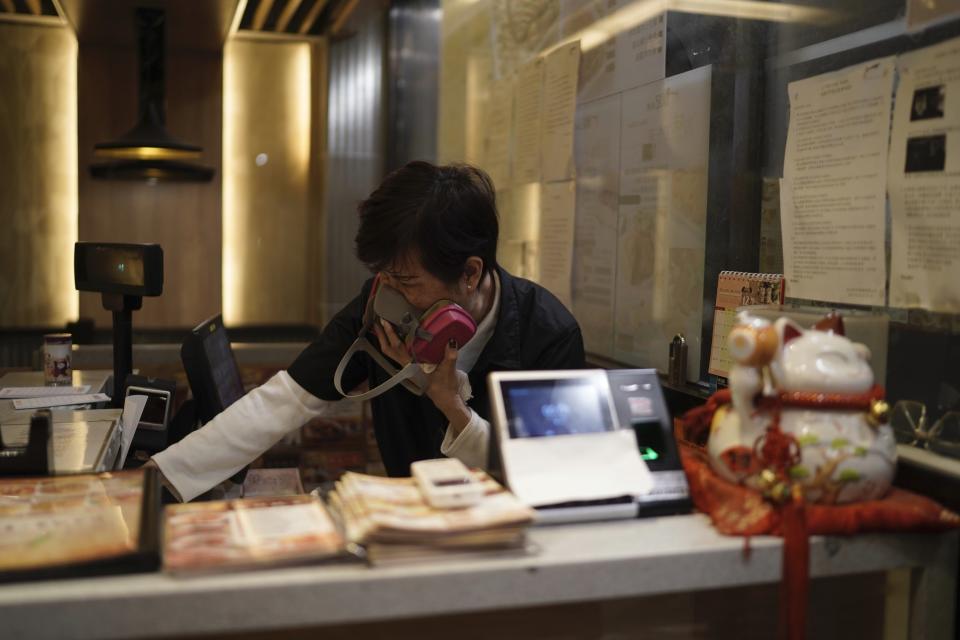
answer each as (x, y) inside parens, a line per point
(799, 445)
(738, 510)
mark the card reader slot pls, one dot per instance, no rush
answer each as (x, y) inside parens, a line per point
(588, 503)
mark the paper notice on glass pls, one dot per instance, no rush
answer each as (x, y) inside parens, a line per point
(834, 180)
(629, 57)
(519, 230)
(567, 468)
(133, 406)
(924, 181)
(558, 202)
(559, 108)
(519, 29)
(664, 153)
(498, 129)
(925, 13)
(526, 131)
(597, 156)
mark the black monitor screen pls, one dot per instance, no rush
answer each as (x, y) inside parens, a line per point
(223, 367)
(211, 368)
(538, 408)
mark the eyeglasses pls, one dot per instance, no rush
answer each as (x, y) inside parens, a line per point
(909, 422)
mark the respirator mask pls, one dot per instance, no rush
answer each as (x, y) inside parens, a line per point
(424, 335)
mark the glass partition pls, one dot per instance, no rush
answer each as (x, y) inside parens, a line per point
(642, 148)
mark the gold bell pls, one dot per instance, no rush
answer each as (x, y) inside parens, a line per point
(879, 413)
(773, 487)
(768, 478)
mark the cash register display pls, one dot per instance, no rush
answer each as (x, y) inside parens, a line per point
(127, 269)
(115, 264)
(538, 408)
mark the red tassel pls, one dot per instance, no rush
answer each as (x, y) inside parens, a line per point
(795, 583)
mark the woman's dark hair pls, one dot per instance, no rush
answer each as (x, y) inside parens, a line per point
(444, 213)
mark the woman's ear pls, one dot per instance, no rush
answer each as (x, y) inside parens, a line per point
(472, 271)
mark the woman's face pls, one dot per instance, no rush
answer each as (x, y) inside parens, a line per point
(418, 286)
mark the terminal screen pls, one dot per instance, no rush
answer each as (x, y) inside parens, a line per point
(223, 368)
(115, 265)
(540, 408)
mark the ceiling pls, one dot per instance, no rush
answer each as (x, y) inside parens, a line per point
(190, 24)
(28, 8)
(299, 17)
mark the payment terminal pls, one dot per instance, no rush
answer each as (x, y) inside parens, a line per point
(565, 434)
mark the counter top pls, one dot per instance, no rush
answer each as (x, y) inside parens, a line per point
(574, 563)
(98, 380)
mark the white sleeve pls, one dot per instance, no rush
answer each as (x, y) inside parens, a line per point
(237, 436)
(471, 446)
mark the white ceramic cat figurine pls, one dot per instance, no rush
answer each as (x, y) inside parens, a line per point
(847, 452)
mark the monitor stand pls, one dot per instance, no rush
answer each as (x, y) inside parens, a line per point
(122, 307)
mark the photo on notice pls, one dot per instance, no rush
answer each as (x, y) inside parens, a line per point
(927, 153)
(928, 103)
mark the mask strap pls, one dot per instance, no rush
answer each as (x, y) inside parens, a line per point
(411, 376)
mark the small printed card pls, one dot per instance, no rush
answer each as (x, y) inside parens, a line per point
(738, 289)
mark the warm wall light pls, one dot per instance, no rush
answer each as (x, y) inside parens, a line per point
(233, 237)
(298, 86)
(69, 209)
(146, 153)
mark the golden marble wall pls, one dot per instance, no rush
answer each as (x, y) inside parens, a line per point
(38, 175)
(248, 243)
(274, 103)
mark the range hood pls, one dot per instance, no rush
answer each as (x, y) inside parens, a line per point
(148, 151)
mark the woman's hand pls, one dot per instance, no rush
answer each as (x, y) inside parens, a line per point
(443, 386)
(443, 389)
(390, 343)
(151, 464)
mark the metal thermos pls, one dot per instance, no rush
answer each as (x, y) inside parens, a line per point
(677, 372)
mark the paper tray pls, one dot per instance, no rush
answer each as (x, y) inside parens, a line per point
(141, 554)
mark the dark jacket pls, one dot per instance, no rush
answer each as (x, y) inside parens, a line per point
(534, 331)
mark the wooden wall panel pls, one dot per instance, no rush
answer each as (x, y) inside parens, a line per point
(184, 217)
(38, 177)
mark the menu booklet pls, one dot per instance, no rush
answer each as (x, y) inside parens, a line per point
(248, 533)
(78, 525)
